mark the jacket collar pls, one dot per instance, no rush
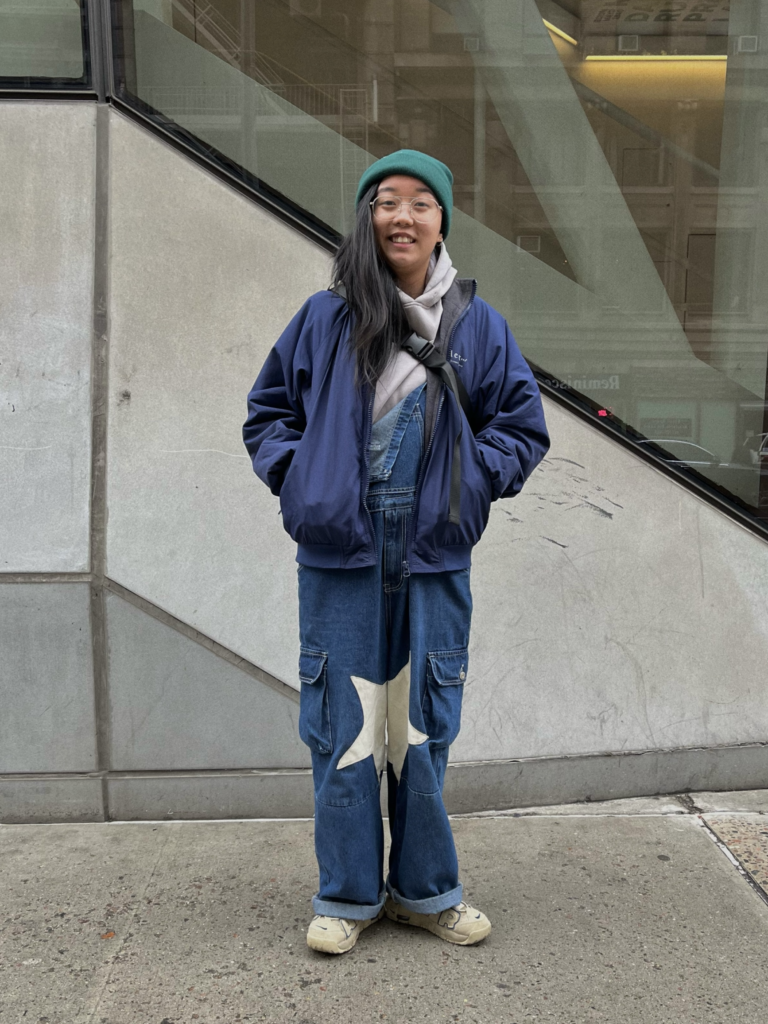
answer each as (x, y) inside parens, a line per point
(455, 302)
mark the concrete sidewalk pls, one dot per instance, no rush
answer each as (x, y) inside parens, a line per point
(621, 912)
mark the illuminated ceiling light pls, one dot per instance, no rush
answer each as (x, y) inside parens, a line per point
(660, 56)
(559, 32)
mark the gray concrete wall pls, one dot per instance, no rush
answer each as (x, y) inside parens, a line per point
(619, 638)
(202, 283)
(175, 704)
(614, 611)
(47, 161)
(46, 679)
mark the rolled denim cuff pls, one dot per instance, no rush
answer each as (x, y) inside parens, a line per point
(431, 905)
(350, 911)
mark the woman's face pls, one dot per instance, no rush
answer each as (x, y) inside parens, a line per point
(405, 243)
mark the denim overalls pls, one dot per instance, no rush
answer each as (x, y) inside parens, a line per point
(383, 664)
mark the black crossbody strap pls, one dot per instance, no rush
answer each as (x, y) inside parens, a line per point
(428, 356)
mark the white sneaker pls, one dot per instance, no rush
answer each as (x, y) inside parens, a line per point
(461, 924)
(336, 934)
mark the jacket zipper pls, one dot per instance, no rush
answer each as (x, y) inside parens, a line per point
(367, 464)
(422, 475)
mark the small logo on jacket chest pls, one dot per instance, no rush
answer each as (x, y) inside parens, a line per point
(457, 358)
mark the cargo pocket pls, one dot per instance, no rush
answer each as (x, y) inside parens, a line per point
(314, 713)
(446, 675)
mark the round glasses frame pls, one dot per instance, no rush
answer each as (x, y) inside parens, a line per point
(421, 217)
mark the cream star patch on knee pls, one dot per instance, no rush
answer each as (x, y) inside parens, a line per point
(387, 730)
(371, 738)
(400, 732)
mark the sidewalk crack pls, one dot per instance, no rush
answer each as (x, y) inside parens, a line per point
(686, 800)
(128, 933)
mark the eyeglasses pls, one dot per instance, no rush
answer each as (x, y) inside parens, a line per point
(422, 210)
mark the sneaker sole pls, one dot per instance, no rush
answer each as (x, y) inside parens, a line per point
(336, 948)
(442, 933)
(329, 946)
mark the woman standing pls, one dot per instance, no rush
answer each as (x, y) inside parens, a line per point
(386, 466)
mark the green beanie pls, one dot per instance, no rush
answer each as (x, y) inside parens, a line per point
(417, 165)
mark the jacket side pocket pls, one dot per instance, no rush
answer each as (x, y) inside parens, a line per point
(446, 675)
(314, 711)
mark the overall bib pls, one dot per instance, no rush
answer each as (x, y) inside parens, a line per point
(383, 664)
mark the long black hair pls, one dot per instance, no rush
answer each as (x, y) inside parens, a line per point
(379, 323)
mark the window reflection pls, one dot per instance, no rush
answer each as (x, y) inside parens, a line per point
(609, 174)
(41, 43)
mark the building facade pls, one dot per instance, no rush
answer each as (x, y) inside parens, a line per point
(174, 177)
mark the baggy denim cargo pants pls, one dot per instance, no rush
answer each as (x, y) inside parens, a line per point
(383, 664)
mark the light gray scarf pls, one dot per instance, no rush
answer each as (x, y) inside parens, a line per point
(403, 373)
(424, 313)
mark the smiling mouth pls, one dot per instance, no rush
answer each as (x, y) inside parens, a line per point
(401, 239)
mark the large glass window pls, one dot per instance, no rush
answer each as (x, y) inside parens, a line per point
(42, 44)
(611, 175)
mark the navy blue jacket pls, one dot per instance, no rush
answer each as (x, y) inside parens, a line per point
(309, 427)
